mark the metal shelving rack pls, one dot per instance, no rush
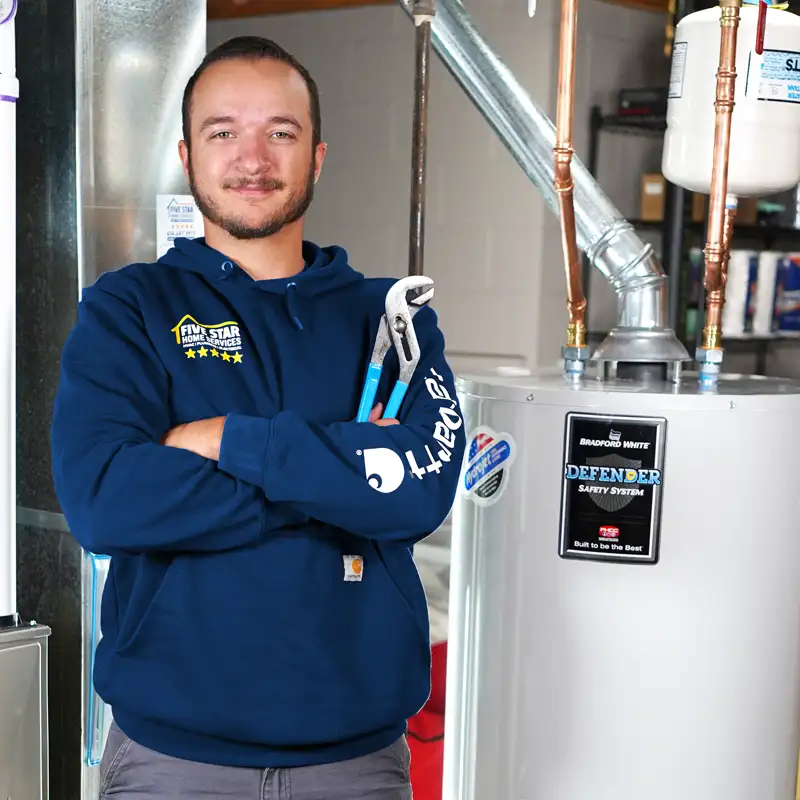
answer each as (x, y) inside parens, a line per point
(680, 233)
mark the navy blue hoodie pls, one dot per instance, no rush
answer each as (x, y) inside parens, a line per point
(263, 610)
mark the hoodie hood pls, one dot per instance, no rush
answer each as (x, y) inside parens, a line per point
(326, 269)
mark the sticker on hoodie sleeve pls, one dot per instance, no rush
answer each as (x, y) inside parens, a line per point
(486, 471)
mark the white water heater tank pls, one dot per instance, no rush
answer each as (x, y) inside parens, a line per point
(624, 619)
(765, 128)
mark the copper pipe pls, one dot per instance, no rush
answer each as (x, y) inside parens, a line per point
(563, 183)
(728, 218)
(714, 251)
(669, 31)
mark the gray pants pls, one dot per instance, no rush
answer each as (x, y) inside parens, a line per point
(131, 772)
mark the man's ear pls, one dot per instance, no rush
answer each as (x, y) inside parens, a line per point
(183, 154)
(319, 158)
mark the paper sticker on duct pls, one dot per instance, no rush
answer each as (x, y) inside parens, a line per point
(177, 216)
(486, 472)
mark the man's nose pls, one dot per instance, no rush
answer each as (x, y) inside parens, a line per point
(254, 153)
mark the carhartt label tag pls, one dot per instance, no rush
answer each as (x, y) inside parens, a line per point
(353, 568)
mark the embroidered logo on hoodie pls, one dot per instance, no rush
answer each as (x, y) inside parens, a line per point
(222, 340)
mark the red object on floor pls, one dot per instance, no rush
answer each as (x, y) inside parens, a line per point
(426, 733)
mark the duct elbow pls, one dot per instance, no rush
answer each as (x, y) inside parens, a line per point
(635, 275)
(642, 334)
(643, 303)
(643, 308)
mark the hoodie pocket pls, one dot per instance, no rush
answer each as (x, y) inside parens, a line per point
(402, 572)
(304, 639)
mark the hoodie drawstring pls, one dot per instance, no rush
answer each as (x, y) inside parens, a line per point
(291, 288)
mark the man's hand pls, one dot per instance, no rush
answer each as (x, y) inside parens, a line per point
(203, 437)
(375, 417)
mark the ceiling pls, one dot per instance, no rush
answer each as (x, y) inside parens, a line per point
(231, 9)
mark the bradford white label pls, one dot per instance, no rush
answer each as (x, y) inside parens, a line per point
(611, 488)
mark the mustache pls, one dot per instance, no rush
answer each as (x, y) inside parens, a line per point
(262, 184)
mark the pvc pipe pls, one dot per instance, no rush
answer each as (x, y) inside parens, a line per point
(9, 93)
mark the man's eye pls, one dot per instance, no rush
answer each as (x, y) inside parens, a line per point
(282, 134)
(221, 134)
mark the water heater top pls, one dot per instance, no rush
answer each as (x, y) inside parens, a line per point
(550, 387)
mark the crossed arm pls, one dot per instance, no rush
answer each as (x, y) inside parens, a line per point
(204, 437)
(128, 480)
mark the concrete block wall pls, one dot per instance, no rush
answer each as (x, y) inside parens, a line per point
(492, 245)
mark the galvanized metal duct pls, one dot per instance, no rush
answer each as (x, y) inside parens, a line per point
(609, 241)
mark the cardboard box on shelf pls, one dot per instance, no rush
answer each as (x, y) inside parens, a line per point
(746, 212)
(699, 207)
(652, 199)
(653, 196)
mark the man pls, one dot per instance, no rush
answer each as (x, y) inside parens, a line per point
(265, 632)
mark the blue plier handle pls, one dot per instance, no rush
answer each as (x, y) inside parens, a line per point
(396, 328)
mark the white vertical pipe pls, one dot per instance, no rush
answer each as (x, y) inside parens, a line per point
(9, 93)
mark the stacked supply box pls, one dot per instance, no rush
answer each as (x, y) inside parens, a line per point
(741, 289)
(758, 293)
(786, 307)
(767, 277)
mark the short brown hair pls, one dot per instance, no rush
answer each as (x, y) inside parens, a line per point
(252, 47)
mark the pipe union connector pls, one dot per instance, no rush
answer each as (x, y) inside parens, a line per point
(709, 356)
(574, 369)
(710, 366)
(709, 375)
(579, 354)
(575, 360)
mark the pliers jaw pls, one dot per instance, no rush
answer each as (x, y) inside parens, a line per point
(396, 327)
(399, 315)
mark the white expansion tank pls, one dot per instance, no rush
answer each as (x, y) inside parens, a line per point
(765, 129)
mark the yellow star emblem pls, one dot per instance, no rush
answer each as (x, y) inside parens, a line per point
(203, 352)
(226, 357)
(215, 353)
(190, 354)
(237, 359)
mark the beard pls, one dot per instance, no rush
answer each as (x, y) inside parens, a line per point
(293, 209)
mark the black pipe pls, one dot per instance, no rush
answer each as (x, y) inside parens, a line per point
(646, 372)
(423, 12)
(674, 251)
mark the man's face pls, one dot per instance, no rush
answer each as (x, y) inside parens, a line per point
(251, 167)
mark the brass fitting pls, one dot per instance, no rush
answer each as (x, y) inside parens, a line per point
(576, 334)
